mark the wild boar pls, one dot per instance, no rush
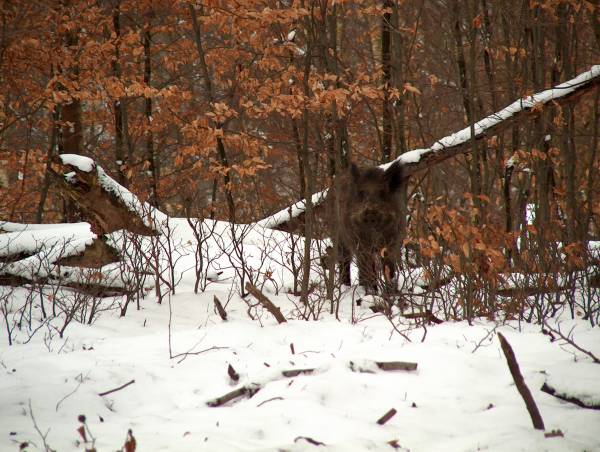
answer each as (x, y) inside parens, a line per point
(369, 223)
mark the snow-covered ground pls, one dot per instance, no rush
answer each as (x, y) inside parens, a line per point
(461, 397)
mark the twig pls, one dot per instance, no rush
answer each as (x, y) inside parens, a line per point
(485, 338)
(199, 352)
(269, 400)
(70, 393)
(274, 310)
(102, 394)
(572, 343)
(513, 365)
(309, 440)
(37, 429)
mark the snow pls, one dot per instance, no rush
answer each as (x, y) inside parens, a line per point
(43, 245)
(290, 212)
(80, 162)
(461, 397)
(579, 380)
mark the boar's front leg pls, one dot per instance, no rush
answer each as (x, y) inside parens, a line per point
(367, 271)
(388, 264)
(345, 258)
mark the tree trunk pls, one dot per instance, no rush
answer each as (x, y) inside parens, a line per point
(221, 152)
(151, 160)
(120, 158)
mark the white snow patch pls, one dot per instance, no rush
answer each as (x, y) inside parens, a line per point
(80, 162)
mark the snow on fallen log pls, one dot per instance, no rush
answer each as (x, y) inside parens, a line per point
(363, 366)
(105, 203)
(577, 383)
(31, 238)
(55, 253)
(290, 212)
(458, 143)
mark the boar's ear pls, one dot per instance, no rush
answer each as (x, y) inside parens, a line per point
(395, 176)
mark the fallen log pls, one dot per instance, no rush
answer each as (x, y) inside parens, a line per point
(250, 389)
(105, 204)
(548, 389)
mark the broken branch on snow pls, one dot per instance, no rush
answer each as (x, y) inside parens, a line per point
(268, 304)
(513, 365)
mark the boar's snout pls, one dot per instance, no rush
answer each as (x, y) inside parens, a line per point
(372, 216)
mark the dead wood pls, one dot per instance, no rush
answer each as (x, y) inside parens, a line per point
(427, 315)
(513, 365)
(295, 372)
(390, 366)
(93, 289)
(101, 208)
(387, 416)
(96, 255)
(569, 398)
(244, 391)
(220, 309)
(250, 389)
(268, 304)
(235, 377)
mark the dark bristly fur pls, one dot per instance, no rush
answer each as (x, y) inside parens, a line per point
(370, 223)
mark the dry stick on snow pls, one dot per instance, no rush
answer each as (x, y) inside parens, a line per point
(268, 304)
(250, 389)
(220, 309)
(569, 398)
(395, 365)
(387, 416)
(571, 342)
(233, 374)
(461, 141)
(244, 391)
(513, 365)
(102, 394)
(184, 355)
(309, 440)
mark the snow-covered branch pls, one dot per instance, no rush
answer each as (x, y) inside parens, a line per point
(458, 143)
